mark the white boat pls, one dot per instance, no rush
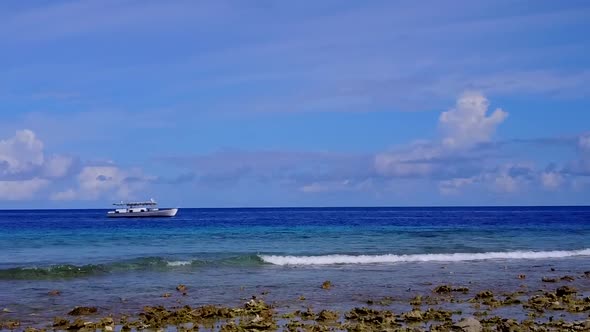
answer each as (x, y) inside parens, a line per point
(140, 209)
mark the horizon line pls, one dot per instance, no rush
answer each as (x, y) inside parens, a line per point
(323, 207)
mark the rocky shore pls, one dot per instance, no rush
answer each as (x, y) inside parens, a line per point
(559, 307)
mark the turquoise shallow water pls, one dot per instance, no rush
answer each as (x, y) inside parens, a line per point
(226, 255)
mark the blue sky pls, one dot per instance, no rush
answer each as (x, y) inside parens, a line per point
(337, 103)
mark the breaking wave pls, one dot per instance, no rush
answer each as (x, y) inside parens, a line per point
(160, 264)
(179, 263)
(390, 258)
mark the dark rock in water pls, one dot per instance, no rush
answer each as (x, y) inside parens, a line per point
(77, 325)
(258, 323)
(32, 329)
(413, 316)
(327, 315)
(256, 307)
(565, 290)
(552, 269)
(546, 279)
(60, 322)
(54, 292)
(510, 300)
(508, 325)
(79, 311)
(327, 284)
(181, 288)
(106, 321)
(385, 301)
(306, 315)
(463, 290)
(468, 324)
(371, 317)
(437, 314)
(484, 295)
(230, 327)
(10, 325)
(568, 278)
(442, 289)
(416, 300)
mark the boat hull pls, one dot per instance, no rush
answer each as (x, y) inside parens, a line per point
(147, 214)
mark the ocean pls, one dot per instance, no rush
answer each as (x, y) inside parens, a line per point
(226, 256)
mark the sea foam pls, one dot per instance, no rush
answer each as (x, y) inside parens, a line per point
(179, 263)
(391, 258)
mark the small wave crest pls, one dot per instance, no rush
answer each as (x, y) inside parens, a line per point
(157, 264)
(391, 258)
(179, 263)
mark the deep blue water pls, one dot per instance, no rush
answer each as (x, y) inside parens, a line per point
(225, 255)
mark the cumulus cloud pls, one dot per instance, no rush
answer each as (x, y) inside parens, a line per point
(21, 153)
(13, 190)
(23, 156)
(414, 161)
(506, 178)
(581, 165)
(24, 168)
(58, 166)
(505, 183)
(463, 128)
(469, 123)
(328, 186)
(67, 195)
(94, 182)
(337, 185)
(453, 186)
(551, 180)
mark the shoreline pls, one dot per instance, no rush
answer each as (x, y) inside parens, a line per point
(446, 307)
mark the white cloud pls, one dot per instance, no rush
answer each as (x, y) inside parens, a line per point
(57, 166)
(551, 180)
(21, 153)
(317, 187)
(453, 186)
(462, 128)
(97, 179)
(24, 168)
(66, 195)
(22, 189)
(415, 161)
(505, 183)
(507, 178)
(94, 182)
(468, 123)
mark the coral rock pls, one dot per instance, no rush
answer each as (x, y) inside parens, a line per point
(80, 311)
(565, 290)
(469, 324)
(442, 289)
